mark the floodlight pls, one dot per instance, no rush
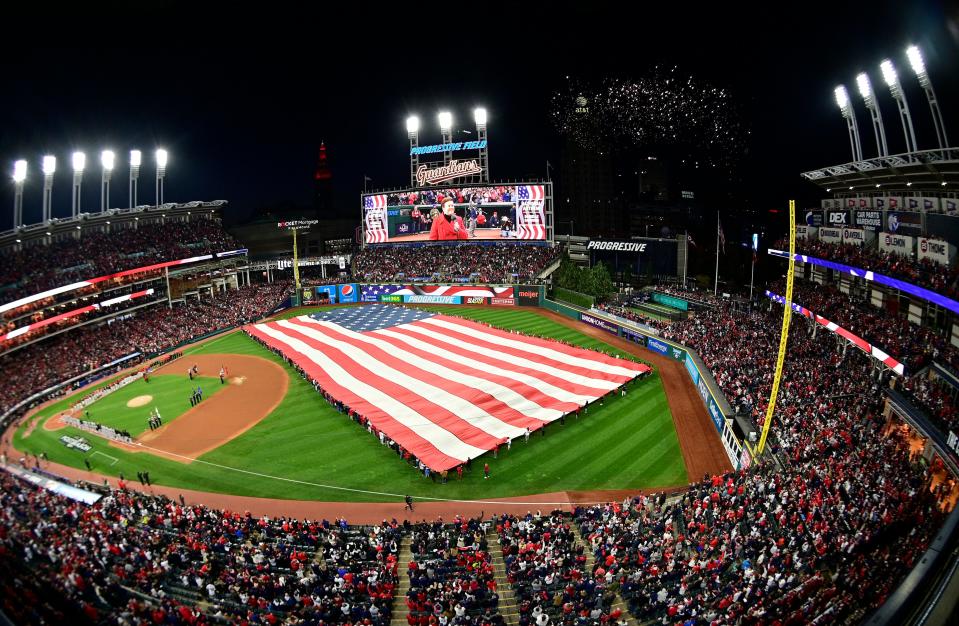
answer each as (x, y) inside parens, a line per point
(412, 124)
(107, 159)
(480, 116)
(446, 120)
(79, 161)
(161, 157)
(889, 73)
(136, 157)
(865, 89)
(49, 165)
(915, 60)
(842, 97)
(19, 171)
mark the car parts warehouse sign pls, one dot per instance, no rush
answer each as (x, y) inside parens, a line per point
(617, 246)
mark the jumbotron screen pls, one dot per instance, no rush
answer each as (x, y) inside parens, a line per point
(489, 212)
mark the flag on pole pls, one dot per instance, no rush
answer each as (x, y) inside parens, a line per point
(444, 388)
(722, 236)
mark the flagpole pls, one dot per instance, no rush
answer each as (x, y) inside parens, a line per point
(716, 283)
(685, 258)
(752, 272)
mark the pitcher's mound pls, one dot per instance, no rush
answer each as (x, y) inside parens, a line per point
(139, 401)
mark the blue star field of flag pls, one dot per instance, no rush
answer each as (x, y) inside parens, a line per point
(371, 317)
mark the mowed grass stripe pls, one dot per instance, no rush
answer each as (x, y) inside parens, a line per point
(306, 439)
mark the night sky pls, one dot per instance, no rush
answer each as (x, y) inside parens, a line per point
(242, 99)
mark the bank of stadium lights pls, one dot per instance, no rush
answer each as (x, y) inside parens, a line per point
(919, 67)
(136, 158)
(107, 161)
(161, 159)
(49, 168)
(895, 89)
(446, 120)
(19, 176)
(412, 125)
(479, 116)
(869, 99)
(79, 163)
(849, 114)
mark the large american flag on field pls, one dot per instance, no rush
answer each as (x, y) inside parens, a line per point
(531, 213)
(374, 209)
(444, 388)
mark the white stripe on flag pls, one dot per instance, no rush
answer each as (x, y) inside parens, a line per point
(549, 353)
(442, 439)
(595, 383)
(504, 394)
(460, 407)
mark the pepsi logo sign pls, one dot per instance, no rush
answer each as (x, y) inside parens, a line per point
(346, 290)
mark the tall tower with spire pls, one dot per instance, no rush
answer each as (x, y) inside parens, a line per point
(323, 186)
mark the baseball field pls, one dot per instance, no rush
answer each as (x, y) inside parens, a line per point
(265, 432)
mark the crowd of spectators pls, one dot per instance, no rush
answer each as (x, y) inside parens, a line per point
(501, 263)
(133, 559)
(548, 570)
(41, 365)
(451, 576)
(459, 195)
(922, 272)
(37, 268)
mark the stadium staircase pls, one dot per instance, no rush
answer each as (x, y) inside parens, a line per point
(507, 601)
(549, 269)
(400, 610)
(618, 602)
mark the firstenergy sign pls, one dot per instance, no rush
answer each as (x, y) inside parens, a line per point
(617, 246)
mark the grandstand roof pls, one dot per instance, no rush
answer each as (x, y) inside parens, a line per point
(926, 170)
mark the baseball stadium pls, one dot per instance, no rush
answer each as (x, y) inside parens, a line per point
(448, 413)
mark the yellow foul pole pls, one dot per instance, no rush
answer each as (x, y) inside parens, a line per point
(784, 335)
(296, 266)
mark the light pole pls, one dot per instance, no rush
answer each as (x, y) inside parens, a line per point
(107, 160)
(136, 157)
(842, 99)
(892, 80)
(479, 115)
(869, 98)
(19, 176)
(79, 162)
(161, 158)
(446, 125)
(412, 131)
(49, 167)
(919, 67)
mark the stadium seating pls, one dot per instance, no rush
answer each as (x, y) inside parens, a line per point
(487, 264)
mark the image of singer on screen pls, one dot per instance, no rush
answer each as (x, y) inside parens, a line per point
(448, 226)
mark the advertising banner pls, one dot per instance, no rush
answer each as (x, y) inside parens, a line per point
(814, 218)
(904, 222)
(671, 301)
(323, 293)
(634, 336)
(503, 301)
(372, 293)
(657, 346)
(869, 219)
(677, 353)
(349, 293)
(475, 300)
(433, 299)
(854, 236)
(830, 235)
(389, 297)
(899, 244)
(692, 369)
(839, 219)
(937, 250)
(598, 323)
(527, 296)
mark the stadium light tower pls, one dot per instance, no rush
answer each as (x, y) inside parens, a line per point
(107, 160)
(161, 158)
(19, 176)
(842, 99)
(136, 158)
(892, 80)
(919, 67)
(79, 162)
(479, 115)
(446, 128)
(413, 131)
(49, 168)
(869, 98)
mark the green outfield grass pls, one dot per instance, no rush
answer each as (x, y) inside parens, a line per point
(305, 448)
(171, 395)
